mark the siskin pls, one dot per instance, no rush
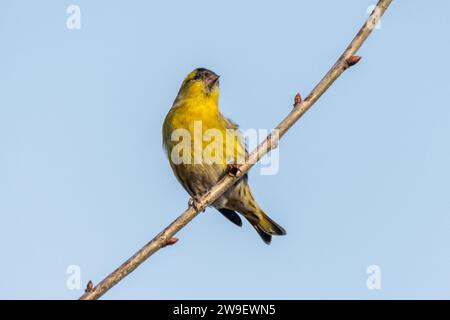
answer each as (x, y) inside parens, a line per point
(194, 112)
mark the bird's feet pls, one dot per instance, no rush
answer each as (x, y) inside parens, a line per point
(234, 169)
(194, 202)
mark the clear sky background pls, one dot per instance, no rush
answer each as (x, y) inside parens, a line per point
(364, 177)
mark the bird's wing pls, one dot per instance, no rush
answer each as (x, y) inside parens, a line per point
(238, 149)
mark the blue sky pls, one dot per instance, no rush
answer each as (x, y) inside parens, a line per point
(364, 177)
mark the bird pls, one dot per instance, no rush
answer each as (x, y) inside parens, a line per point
(195, 111)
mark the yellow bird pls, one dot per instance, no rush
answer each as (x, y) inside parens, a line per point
(201, 144)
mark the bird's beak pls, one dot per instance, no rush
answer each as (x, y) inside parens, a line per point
(212, 81)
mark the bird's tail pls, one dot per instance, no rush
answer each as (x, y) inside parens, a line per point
(266, 227)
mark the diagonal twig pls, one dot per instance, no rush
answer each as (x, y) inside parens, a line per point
(165, 237)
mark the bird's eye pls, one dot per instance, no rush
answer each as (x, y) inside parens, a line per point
(196, 77)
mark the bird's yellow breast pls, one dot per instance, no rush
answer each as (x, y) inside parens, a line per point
(207, 130)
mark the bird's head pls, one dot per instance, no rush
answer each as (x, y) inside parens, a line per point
(200, 84)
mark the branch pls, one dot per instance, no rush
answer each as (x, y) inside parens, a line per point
(165, 237)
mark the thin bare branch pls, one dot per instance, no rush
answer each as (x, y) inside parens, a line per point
(165, 237)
